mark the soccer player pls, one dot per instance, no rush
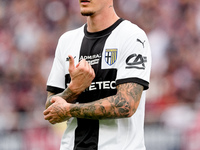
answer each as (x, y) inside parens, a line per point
(98, 82)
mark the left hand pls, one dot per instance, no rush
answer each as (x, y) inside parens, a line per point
(57, 112)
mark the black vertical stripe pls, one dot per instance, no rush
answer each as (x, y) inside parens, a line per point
(86, 135)
(87, 131)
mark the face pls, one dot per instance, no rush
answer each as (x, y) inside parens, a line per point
(91, 7)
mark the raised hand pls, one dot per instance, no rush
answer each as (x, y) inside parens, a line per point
(81, 75)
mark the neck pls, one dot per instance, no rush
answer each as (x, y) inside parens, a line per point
(101, 21)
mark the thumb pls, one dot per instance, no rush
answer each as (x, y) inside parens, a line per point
(71, 63)
(53, 100)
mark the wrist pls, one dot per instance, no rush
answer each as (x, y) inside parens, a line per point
(48, 103)
(74, 110)
(69, 95)
(74, 89)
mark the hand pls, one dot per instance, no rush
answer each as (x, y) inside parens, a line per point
(58, 111)
(81, 75)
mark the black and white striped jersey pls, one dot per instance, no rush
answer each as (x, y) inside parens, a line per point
(118, 54)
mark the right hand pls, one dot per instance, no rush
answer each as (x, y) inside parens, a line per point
(81, 75)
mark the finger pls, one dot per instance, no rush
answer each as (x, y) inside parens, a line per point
(82, 63)
(46, 112)
(77, 65)
(52, 121)
(53, 100)
(90, 69)
(71, 63)
(87, 67)
(93, 73)
(47, 117)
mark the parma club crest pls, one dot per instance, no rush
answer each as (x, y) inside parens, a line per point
(110, 56)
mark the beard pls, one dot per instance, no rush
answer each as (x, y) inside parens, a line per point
(87, 13)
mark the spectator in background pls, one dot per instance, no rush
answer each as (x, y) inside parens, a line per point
(173, 28)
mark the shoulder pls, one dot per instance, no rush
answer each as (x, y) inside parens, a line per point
(128, 29)
(72, 34)
(130, 34)
(69, 40)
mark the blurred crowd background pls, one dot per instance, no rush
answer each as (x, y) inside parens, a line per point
(29, 31)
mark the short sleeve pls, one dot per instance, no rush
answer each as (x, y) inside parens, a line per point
(56, 79)
(134, 63)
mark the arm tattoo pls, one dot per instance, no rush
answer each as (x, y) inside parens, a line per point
(67, 94)
(49, 97)
(60, 112)
(123, 104)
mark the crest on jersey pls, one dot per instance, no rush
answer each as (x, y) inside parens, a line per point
(110, 56)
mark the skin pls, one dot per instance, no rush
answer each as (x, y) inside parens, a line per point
(78, 83)
(60, 107)
(123, 104)
(102, 14)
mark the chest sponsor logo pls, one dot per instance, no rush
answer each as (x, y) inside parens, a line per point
(91, 59)
(100, 85)
(136, 61)
(110, 56)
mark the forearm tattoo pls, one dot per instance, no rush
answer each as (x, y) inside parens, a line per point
(68, 95)
(49, 97)
(121, 105)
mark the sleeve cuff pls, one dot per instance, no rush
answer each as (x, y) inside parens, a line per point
(54, 90)
(144, 83)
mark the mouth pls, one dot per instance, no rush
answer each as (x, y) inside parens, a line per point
(85, 1)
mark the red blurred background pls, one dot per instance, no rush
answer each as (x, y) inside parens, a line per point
(29, 31)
